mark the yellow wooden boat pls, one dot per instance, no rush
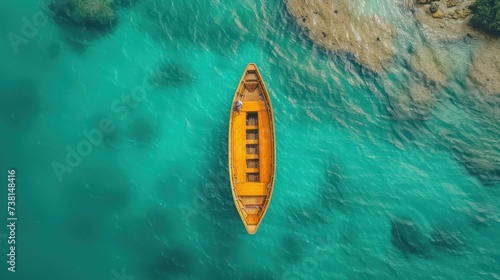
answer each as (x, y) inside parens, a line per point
(252, 150)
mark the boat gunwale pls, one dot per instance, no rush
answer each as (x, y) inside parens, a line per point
(269, 110)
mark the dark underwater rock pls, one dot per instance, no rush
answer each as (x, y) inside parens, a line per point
(19, 102)
(406, 236)
(293, 248)
(170, 73)
(487, 172)
(413, 103)
(143, 133)
(480, 159)
(434, 7)
(112, 139)
(83, 21)
(52, 50)
(82, 227)
(138, 238)
(331, 194)
(172, 262)
(158, 219)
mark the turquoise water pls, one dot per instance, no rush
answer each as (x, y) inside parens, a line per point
(361, 191)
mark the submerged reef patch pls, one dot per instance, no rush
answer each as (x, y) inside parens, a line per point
(486, 168)
(144, 133)
(158, 219)
(413, 102)
(171, 262)
(407, 237)
(448, 233)
(332, 195)
(169, 73)
(447, 239)
(98, 14)
(82, 227)
(293, 248)
(83, 21)
(481, 160)
(52, 50)
(19, 102)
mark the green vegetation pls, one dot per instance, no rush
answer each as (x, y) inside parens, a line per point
(486, 16)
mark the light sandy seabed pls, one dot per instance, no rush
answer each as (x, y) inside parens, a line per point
(485, 69)
(335, 26)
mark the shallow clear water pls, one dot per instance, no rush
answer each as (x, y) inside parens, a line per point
(361, 192)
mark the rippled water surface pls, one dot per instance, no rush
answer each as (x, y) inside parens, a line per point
(368, 186)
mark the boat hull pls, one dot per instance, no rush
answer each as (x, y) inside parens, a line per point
(251, 149)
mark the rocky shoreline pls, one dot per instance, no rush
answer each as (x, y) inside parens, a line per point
(450, 19)
(335, 26)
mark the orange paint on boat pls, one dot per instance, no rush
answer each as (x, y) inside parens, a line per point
(252, 149)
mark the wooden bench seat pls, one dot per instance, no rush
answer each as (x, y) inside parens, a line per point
(252, 156)
(252, 170)
(251, 189)
(253, 106)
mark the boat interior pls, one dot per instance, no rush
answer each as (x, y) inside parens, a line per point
(252, 156)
